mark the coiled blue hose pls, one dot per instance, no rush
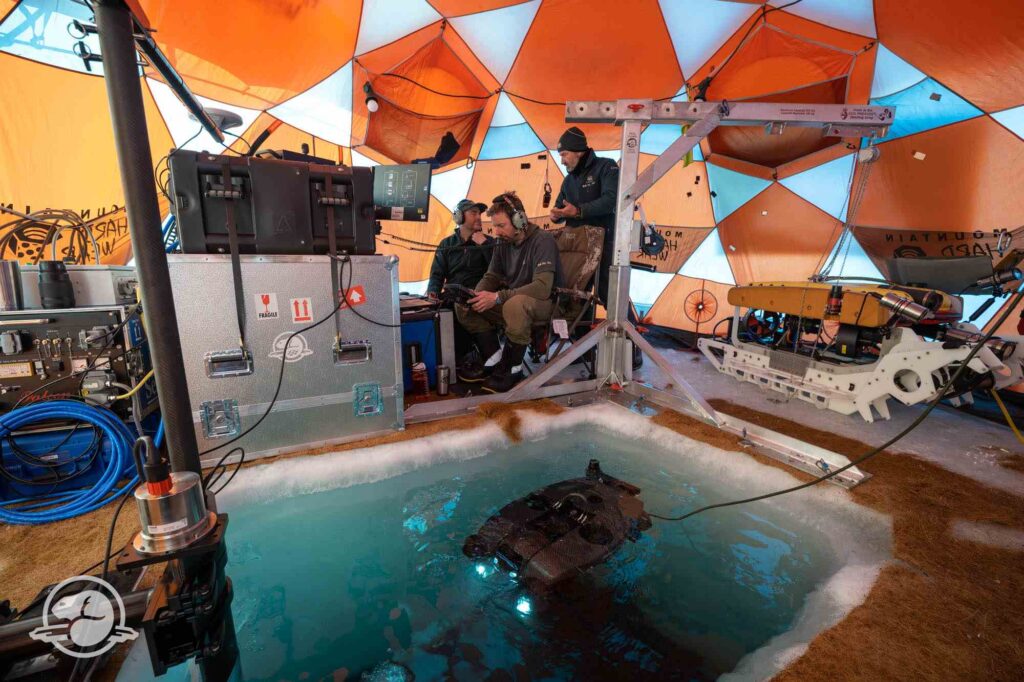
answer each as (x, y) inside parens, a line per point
(76, 502)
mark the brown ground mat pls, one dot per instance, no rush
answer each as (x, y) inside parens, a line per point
(946, 609)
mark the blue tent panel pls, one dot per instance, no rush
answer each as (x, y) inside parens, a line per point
(495, 36)
(699, 27)
(503, 142)
(826, 186)
(925, 106)
(730, 190)
(38, 30)
(1012, 119)
(709, 262)
(893, 74)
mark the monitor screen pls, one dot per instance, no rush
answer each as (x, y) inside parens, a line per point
(402, 192)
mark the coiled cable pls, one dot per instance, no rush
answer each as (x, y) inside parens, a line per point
(69, 504)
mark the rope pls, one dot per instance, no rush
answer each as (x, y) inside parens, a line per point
(1006, 415)
(846, 236)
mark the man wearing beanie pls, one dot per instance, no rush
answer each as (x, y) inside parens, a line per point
(588, 195)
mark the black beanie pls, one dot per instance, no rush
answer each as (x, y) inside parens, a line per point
(572, 140)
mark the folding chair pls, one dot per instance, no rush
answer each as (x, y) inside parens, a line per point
(579, 249)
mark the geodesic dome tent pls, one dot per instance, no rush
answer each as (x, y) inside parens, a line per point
(495, 74)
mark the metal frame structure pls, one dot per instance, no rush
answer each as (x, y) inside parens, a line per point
(614, 337)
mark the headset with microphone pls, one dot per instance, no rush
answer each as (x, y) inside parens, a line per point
(518, 216)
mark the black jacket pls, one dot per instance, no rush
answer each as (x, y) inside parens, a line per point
(459, 262)
(591, 187)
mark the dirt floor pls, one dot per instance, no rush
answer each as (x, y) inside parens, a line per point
(945, 609)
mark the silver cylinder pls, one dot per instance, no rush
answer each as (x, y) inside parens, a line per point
(444, 378)
(10, 286)
(175, 519)
(904, 307)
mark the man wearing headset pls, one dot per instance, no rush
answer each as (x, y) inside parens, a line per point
(514, 295)
(462, 258)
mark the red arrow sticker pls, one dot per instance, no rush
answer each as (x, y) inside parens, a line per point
(356, 296)
(302, 310)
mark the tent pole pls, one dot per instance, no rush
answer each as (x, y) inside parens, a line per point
(124, 93)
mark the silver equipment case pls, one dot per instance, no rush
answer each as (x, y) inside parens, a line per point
(94, 285)
(331, 393)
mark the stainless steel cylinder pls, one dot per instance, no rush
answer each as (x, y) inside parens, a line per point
(1001, 347)
(174, 519)
(10, 286)
(444, 378)
(904, 307)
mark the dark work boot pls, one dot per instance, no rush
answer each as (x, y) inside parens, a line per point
(507, 373)
(475, 370)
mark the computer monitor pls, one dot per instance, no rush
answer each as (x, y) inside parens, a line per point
(402, 192)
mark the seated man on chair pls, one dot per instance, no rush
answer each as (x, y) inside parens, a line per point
(462, 258)
(514, 295)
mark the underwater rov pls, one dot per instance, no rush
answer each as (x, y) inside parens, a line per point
(562, 529)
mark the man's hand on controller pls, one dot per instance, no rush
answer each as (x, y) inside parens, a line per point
(483, 300)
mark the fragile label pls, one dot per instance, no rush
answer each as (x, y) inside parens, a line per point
(302, 310)
(167, 527)
(266, 307)
(356, 295)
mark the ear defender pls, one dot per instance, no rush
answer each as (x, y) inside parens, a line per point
(519, 217)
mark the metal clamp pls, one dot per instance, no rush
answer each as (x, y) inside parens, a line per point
(368, 400)
(220, 418)
(223, 194)
(334, 201)
(221, 364)
(352, 352)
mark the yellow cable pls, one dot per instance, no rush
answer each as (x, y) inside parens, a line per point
(1009, 419)
(138, 386)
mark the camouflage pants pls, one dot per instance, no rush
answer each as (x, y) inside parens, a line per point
(517, 316)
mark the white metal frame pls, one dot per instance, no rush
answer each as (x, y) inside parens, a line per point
(614, 337)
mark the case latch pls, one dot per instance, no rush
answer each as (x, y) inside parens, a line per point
(220, 364)
(220, 418)
(367, 400)
(352, 352)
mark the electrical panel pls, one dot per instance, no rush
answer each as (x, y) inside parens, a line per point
(76, 353)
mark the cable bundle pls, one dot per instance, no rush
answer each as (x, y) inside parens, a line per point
(73, 503)
(27, 236)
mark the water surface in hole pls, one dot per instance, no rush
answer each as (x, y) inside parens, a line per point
(369, 581)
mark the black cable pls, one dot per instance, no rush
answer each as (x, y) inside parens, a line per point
(110, 534)
(36, 460)
(280, 378)
(92, 451)
(940, 394)
(344, 292)
(248, 146)
(82, 372)
(241, 461)
(391, 74)
(209, 479)
(166, 157)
